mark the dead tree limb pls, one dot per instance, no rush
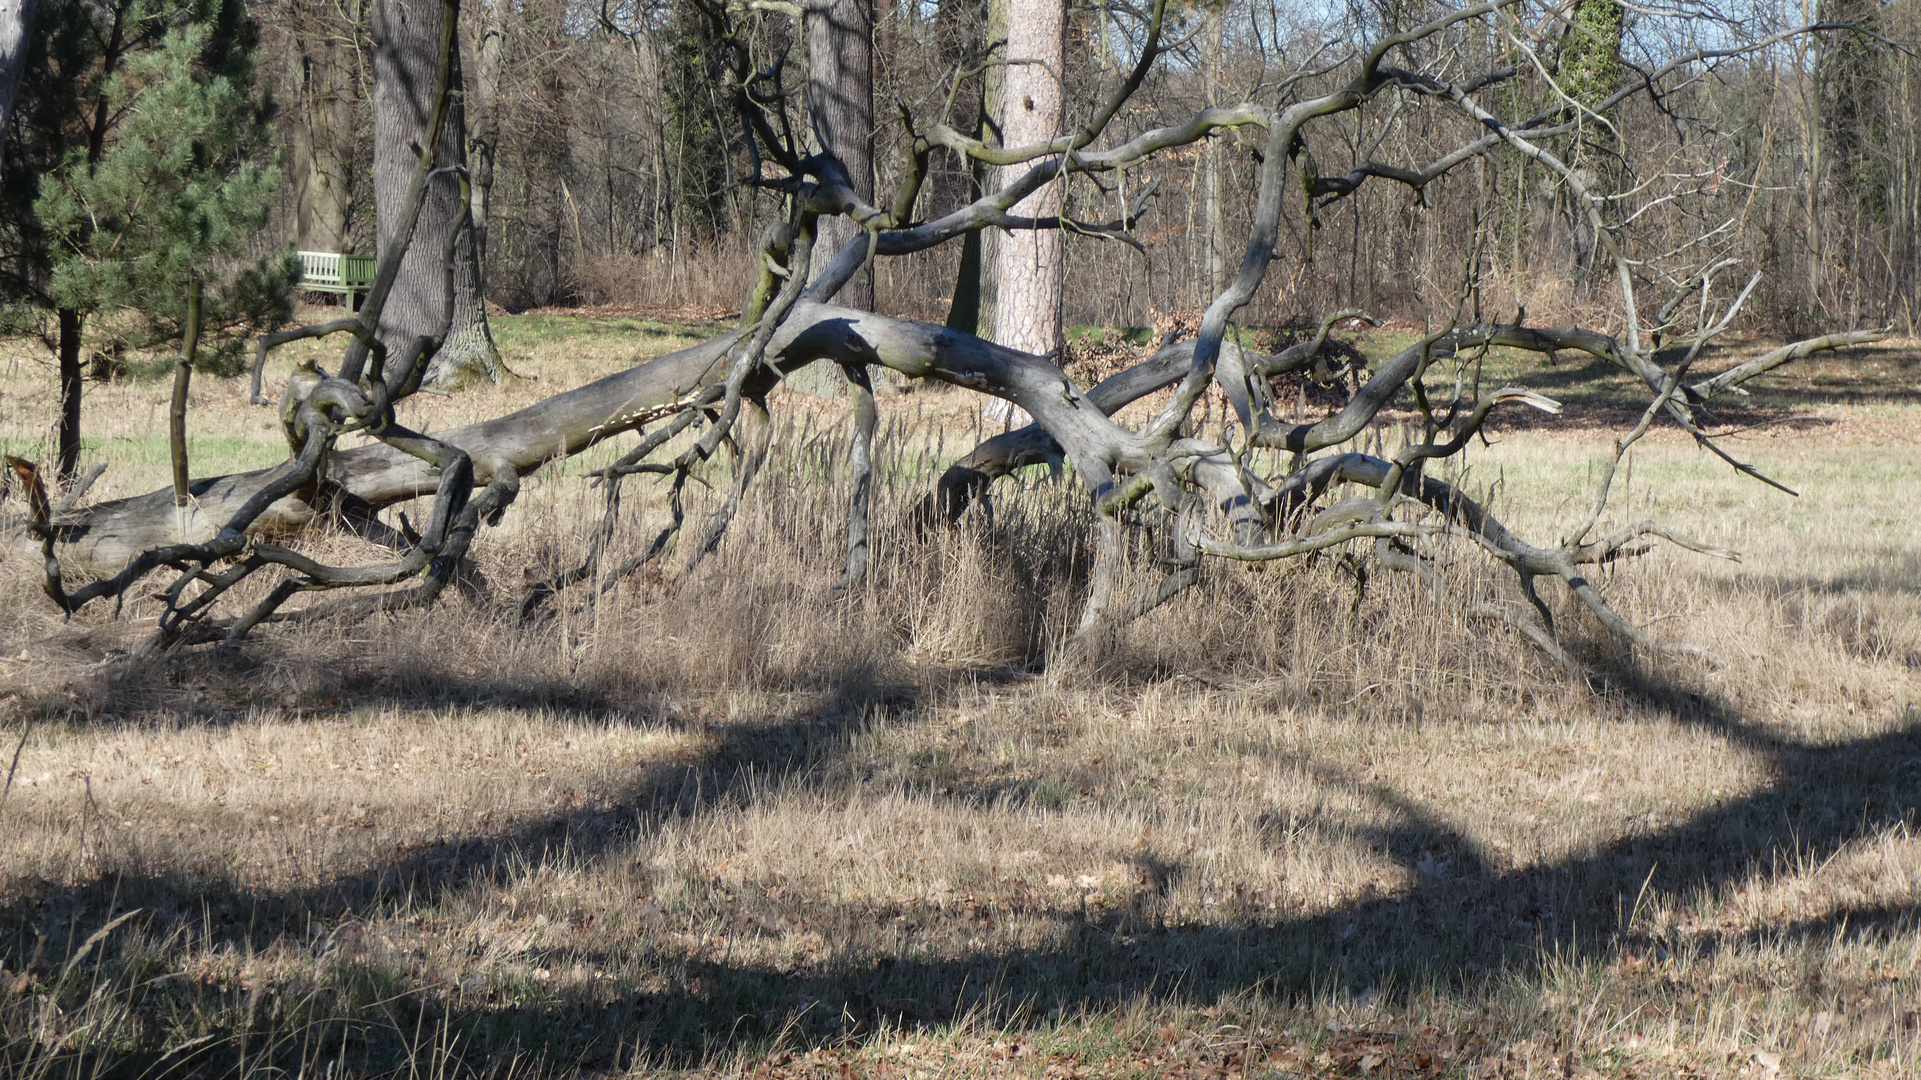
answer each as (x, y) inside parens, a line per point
(1190, 479)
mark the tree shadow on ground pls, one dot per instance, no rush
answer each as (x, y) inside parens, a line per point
(1885, 569)
(1860, 609)
(1592, 390)
(1465, 918)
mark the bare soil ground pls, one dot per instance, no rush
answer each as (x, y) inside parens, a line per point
(718, 824)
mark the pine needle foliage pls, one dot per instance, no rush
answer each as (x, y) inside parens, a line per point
(176, 191)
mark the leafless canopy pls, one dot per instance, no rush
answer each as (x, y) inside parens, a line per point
(1657, 236)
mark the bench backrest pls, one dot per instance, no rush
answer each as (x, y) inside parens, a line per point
(328, 271)
(358, 270)
(320, 267)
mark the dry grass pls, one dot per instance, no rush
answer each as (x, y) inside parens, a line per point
(719, 824)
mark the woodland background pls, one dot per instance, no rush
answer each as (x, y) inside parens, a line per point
(618, 164)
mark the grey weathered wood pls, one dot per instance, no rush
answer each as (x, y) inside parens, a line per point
(1027, 309)
(1124, 470)
(108, 535)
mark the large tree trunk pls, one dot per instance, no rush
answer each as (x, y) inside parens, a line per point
(1590, 72)
(1028, 310)
(16, 35)
(322, 134)
(406, 53)
(107, 536)
(840, 99)
(1029, 263)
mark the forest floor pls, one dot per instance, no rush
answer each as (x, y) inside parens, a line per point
(716, 823)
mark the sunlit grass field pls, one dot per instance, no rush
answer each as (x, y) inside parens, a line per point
(1299, 823)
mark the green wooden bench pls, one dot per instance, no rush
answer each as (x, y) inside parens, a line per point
(349, 276)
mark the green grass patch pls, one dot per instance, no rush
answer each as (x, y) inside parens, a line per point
(533, 331)
(213, 454)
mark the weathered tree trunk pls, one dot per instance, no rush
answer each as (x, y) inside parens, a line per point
(1028, 311)
(16, 35)
(106, 536)
(1162, 479)
(840, 100)
(407, 37)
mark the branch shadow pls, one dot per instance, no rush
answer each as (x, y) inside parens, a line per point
(1463, 919)
(1859, 608)
(1591, 390)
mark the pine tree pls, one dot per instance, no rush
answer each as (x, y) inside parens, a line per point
(147, 166)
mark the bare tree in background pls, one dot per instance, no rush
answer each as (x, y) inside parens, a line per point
(618, 164)
(483, 139)
(1214, 242)
(1195, 487)
(1027, 312)
(840, 98)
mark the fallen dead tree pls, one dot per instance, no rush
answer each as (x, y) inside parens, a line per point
(1194, 486)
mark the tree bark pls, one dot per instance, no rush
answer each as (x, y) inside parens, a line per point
(406, 57)
(486, 134)
(840, 99)
(16, 36)
(993, 92)
(322, 131)
(69, 437)
(107, 536)
(1216, 254)
(1590, 72)
(1028, 311)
